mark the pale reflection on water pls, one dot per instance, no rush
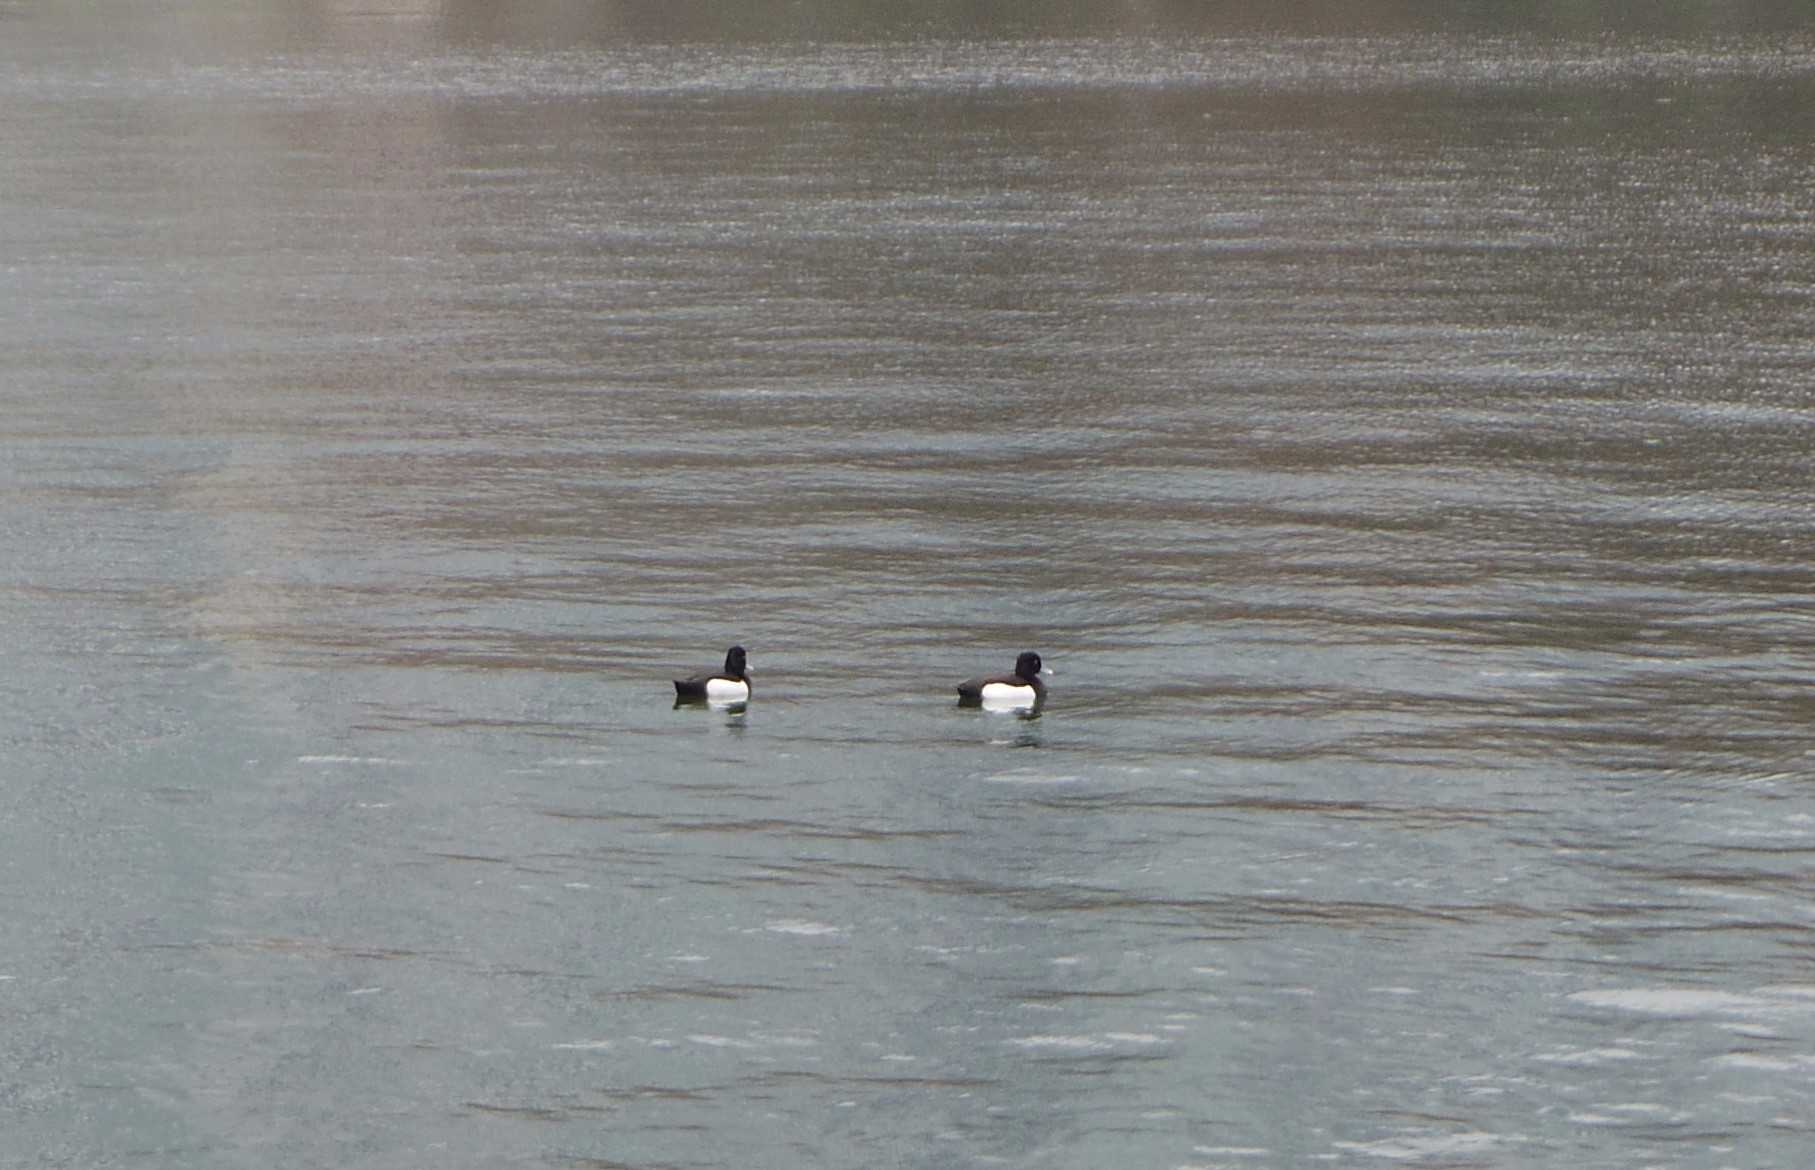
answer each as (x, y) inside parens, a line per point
(1396, 442)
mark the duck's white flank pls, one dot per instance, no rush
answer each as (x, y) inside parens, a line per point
(1007, 694)
(727, 688)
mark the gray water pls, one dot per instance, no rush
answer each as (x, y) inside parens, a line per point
(1396, 439)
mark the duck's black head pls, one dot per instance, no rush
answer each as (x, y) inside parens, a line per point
(734, 662)
(1028, 665)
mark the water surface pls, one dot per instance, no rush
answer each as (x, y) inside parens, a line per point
(1395, 439)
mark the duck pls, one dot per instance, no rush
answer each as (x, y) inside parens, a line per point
(730, 685)
(1023, 688)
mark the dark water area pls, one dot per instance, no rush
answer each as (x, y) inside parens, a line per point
(1393, 431)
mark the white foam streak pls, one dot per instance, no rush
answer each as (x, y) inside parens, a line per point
(1409, 1149)
(802, 927)
(1690, 1003)
(1106, 1042)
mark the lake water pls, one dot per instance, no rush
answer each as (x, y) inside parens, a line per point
(1397, 440)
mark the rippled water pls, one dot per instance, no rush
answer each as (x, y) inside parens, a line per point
(1397, 444)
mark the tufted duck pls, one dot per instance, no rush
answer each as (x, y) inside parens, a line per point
(1023, 688)
(729, 686)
